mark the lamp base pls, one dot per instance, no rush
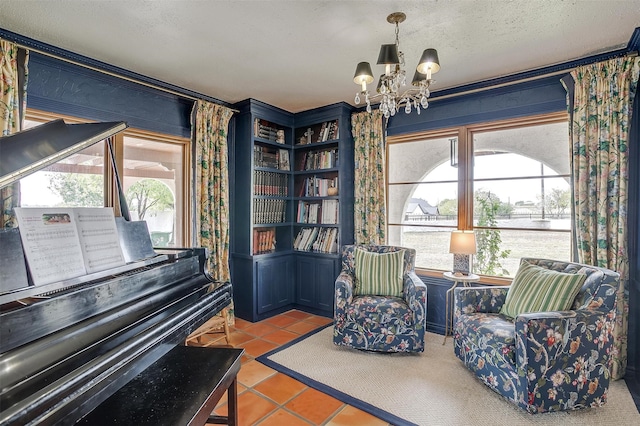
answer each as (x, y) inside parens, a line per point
(461, 263)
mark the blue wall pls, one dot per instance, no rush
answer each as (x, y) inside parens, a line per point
(65, 88)
(516, 100)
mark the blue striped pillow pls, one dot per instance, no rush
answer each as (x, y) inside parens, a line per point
(379, 274)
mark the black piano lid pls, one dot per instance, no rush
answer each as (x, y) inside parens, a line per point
(26, 152)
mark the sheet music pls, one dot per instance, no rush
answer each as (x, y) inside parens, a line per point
(51, 245)
(98, 238)
(63, 243)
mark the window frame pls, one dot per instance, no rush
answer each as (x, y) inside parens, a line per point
(464, 134)
(111, 198)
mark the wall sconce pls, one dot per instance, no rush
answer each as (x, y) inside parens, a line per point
(462, 245)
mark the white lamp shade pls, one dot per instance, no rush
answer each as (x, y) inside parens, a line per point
(462, 242)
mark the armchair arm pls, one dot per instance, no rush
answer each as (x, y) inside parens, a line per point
(343, 293)
(415, 294)
(564, 347)
(488, 299)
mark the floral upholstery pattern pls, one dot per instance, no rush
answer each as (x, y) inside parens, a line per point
(379, 323)
(542, 361)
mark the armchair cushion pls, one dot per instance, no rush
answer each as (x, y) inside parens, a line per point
(538, 289)
(379, 274)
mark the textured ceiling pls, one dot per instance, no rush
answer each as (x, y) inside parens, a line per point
(302, 54)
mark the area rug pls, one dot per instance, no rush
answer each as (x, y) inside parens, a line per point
(432, 388)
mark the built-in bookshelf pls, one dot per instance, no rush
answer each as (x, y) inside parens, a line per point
(323, 194)
(292, 178)
(262, 210)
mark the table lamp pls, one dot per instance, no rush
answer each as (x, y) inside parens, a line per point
(463, 244)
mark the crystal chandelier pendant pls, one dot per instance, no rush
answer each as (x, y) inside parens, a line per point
(391, 90)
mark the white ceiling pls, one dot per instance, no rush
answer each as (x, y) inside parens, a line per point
(299, 55)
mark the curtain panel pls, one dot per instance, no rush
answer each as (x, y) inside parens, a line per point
(209, 136)
(369, 207)
(13, 101)
(600, 102)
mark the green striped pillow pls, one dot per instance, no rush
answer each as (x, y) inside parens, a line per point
(379, 274)
(537, 289)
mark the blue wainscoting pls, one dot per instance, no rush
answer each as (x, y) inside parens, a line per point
(436, 306)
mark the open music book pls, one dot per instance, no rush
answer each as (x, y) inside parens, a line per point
(64, 242)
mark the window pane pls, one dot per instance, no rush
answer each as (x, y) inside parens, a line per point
(76, 181)
(523, 174)
(521, 180)
(514, 245)
(525, 211)
(423, 192)
(153, 182)
(431, 245)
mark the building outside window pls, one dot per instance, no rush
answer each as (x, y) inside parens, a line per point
(153, 171)
(509, 181)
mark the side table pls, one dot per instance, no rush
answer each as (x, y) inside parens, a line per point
(466, 280)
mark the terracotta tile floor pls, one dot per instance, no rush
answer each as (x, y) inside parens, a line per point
(267, 397)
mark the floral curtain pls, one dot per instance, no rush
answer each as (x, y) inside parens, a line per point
(13, 101)
(369, 208)
(600, 108)
(209, 135)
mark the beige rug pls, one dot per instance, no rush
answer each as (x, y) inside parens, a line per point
(432, 388)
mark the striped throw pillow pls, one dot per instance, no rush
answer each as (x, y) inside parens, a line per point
(537, 289)
(379, 274)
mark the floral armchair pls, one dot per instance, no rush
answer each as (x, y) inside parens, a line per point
(375, 322)
(541, 361)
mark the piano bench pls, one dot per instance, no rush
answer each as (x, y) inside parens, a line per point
(181, 388)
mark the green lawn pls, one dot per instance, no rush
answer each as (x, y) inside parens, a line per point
(432, 247)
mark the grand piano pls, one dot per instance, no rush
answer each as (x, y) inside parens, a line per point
(66, 347)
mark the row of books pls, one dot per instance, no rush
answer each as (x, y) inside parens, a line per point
(318, 239)
(270, 183)
(314, 186)
(264, 240)
(266, 130)
(313, 160)
(314, 212)
(268, 157)
(269, 211)
(329, 130)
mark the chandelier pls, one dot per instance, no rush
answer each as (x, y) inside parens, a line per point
(390, 90)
